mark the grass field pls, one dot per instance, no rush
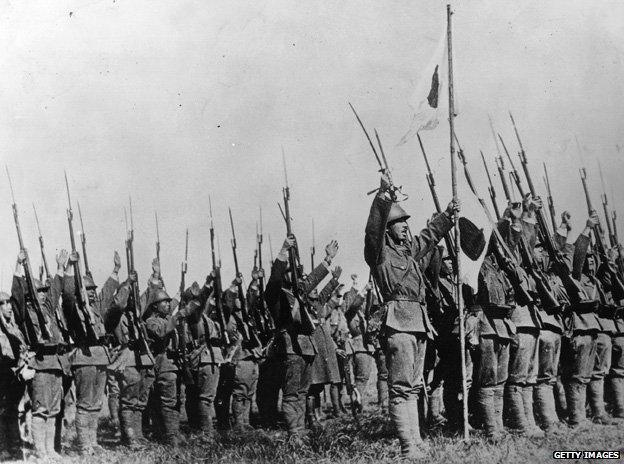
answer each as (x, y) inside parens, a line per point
(343, 440)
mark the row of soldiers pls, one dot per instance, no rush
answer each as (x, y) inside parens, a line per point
(221, 347)
(543, 332)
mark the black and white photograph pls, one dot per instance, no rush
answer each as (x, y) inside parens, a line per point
(334, 231)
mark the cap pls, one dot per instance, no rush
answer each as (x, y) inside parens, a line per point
(89, 283)
(157, 296)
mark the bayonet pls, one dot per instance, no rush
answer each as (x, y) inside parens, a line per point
(43, 255)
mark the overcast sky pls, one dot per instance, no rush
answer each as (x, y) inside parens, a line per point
(173, 102)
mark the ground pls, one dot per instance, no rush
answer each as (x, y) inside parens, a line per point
(345, 441)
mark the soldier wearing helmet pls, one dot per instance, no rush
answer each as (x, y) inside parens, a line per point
(394, 259)
(12, 347)
(90, 358)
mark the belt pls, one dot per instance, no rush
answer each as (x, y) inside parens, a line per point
(610, 312)
(585, 307)
(52, 349)
(498, 311)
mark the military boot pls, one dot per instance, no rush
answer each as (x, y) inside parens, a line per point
(127, 425)
(434, 410)
(113, 409)
(50, 438)
(39, 436)
(334, 394)
(487, 412)
(533, 430)
(514, 409)
(402, 415)
(617, 387)
(596, 402)
(83, 440)
(310, 417)
(575, 399)
(545, 406)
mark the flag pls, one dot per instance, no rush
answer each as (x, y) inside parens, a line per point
(429, 100)
(475, 229)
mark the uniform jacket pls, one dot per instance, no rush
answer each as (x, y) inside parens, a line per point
(325, 364)
(52, 354)
(86, 354)
(288, 340)
(116, 321)
(396, 268)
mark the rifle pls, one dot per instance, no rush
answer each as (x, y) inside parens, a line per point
(551, 205)
(575, 292)
(38, 330)
(184, 265)
(267, 320)
(82, 300)
(43, 255)
(217, 292)
(247, 326)
(605, 207)
(514, 172)
(137, 332)
(491, 188)
(270, 250)
(521, 289)
(157, 238)
(448, 239)
(616, 281)
(500, 165)
(312, 248)
(83, 240)
(306, 322)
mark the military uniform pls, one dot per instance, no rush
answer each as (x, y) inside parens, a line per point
(51, 365)
(12, 353)
(164, 345)
(90, 356)
(581, 329)
(132, 364)
(204, 348)
(325, 365)
(396, 270)
(240, 375)
(293, 349)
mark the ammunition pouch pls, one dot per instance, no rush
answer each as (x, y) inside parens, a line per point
(585, 306)
(498, 311)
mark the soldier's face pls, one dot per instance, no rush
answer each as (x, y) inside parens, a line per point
(41, 296)
(6, 309)
(163, 307)
(91, 295)
(591, 264)
(398, 230)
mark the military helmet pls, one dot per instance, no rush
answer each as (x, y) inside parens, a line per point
(41, 286)
(397, 213)
(4, 296)
(89, 284)
(157, 296)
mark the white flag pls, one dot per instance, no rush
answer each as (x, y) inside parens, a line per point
(429, 99)
(475, 229)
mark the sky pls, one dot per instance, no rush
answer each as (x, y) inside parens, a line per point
(174, 103)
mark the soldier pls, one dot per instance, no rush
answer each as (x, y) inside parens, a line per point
(523, 351)
(447, 372)
(132, 364)
(354, 302)
(394, 262)
(205, 357)
(325, 364)
(579, 348)
(344, 351)
(240, 371)
(549, 346)
(13, 351)
(50, 361)
(161, 326)
(90, 357)
(616, 375)
(294, 349)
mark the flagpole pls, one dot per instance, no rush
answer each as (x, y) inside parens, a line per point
(458, 288)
